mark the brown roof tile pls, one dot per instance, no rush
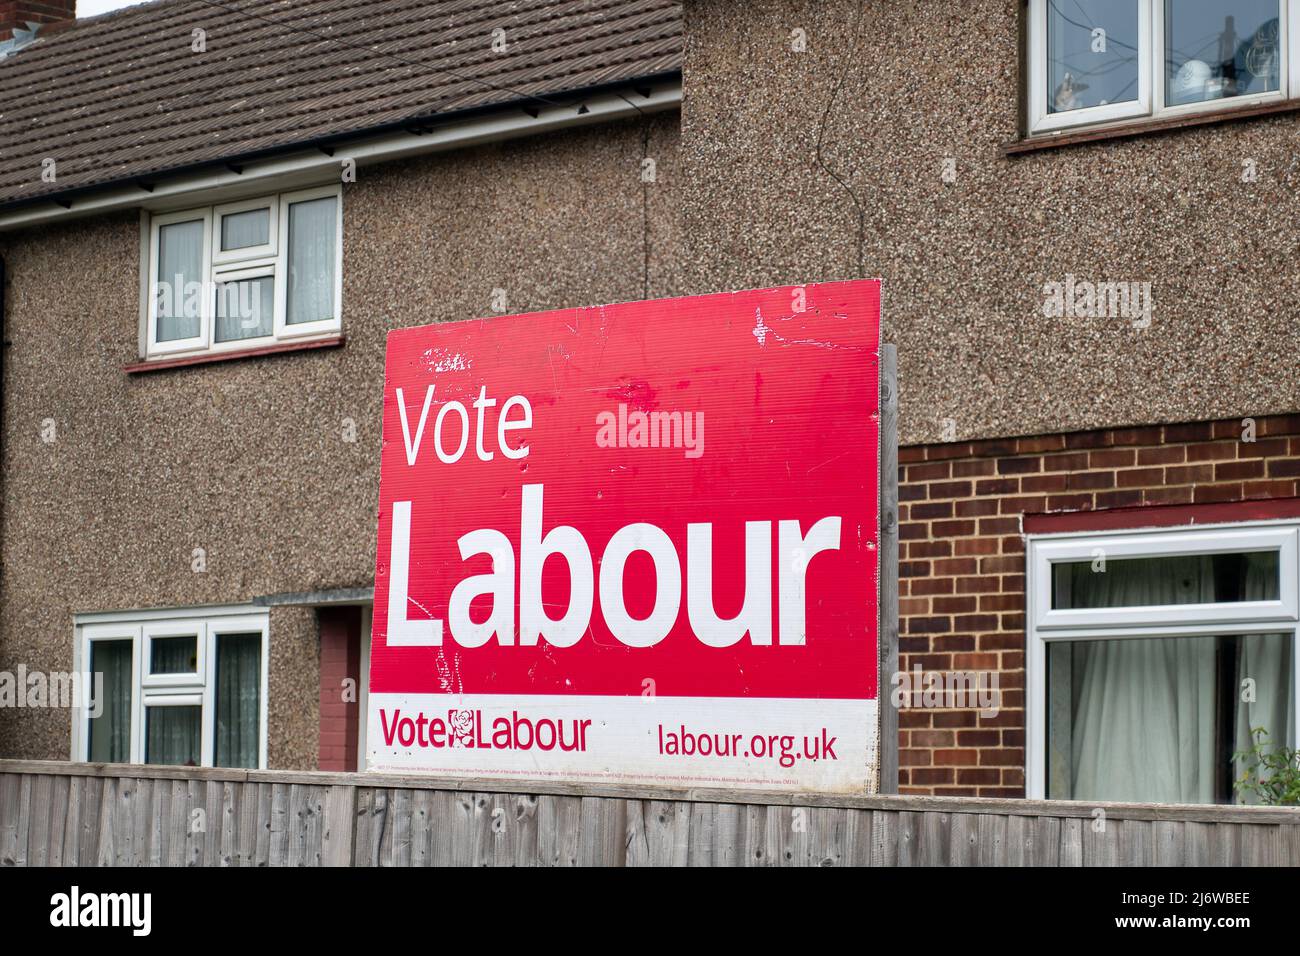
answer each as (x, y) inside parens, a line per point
(123, 96)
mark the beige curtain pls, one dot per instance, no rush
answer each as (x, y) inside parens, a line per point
(1140, 718)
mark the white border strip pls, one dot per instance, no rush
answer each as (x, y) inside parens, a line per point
(167, 613)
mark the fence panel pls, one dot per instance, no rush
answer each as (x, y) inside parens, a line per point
(54, 813)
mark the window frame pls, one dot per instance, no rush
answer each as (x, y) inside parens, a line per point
(298, 330)
(268, 250)
(156, 224)
(270, 259)
(166, 629)
(1045, 625)
(167, 690)
(106, 633)
(237, 273)
(170, 699)
(1166, 544)
(1042, 120)
(1281, 94)
(1150, 103)
(237, 625)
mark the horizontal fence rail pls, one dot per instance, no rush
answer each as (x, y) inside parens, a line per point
(63, 814)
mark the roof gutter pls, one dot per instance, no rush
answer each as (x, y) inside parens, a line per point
(321, 160)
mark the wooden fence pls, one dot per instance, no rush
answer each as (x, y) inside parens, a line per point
(55, 813)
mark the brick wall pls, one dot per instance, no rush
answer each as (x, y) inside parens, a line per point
(18, 13)
(961, 560)
(340, 659)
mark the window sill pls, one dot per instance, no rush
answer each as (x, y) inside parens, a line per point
(1128, 128)
(161, 364)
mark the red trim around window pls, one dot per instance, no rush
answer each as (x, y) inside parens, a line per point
(1163, 516)
(158, 365)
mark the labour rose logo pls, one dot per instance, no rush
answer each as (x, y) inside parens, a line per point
(462, 727)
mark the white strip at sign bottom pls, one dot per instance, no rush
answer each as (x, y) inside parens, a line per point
(825, 746)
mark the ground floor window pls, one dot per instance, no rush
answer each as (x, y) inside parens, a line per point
(1156, 657)
(175, 687)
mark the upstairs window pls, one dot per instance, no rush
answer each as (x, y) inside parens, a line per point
(1107, 61)
(245, 275)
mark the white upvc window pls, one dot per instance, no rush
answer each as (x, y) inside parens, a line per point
(1105, 61)
(245, 230)
(183, 687)
(173, 653)
(245, 275)
(180, 270)
(1154, 655)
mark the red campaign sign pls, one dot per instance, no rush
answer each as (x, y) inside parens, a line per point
(634, 541)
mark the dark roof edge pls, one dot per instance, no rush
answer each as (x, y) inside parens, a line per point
(561, 97)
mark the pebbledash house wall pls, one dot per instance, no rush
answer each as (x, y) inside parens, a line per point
(890, 91)
(248, 459)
